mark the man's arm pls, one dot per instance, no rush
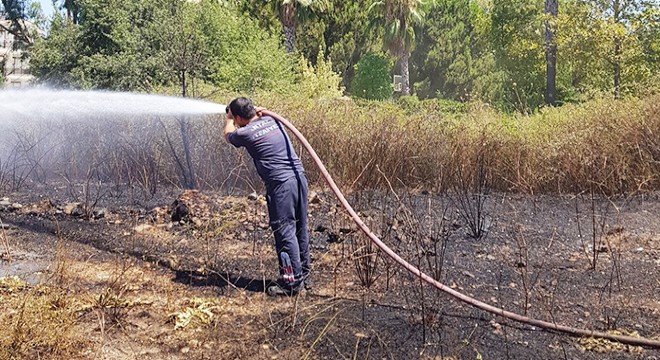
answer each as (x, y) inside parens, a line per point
(229, 128)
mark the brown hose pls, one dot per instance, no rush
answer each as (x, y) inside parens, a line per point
(464, 298)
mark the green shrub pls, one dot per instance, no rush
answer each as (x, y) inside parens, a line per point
(317, 82)
(409, 103)
(372, 78)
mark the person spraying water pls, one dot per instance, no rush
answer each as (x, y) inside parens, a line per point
(244, 119)
(283, 174)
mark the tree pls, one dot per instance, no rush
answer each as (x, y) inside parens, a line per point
(346, 35)
(16, 12)
(185, 50)
(517, 42)
(55, 59)
(184, 46)
(605, 43)
(452, 46)
(317, 81)
(648, 34)
(289, 13)
(620, 16)
(243, 56)
(397, 18)
(72, 8)
(551, 10)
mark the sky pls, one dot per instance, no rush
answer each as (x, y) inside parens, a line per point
(47, 7)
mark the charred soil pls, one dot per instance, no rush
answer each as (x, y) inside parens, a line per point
(182, 276)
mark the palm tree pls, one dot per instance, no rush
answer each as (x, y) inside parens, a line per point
(290, 11)
(72, 8)
(397, 18)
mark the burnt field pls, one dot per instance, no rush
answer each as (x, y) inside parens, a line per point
(114, 277)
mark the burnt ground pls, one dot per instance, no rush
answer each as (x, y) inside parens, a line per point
(194, 289)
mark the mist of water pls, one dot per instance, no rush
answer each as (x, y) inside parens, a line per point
(41, 103)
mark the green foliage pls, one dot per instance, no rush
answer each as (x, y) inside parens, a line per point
(15, 13)
(346, 35)
(489, 51)
(244, 57)
(452, 50)
(108, 49)
(594, 40)
(313, 43)
(184, 47)
(36, 15)
(372, 78)
(517, 39)
(290, 13)
(317, 82)
(396, 19)
(341, 34)
(451, 106)
(134, 46)
(409, 103)
(13, 9)
(53, 60)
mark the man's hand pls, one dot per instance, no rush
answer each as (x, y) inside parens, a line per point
(260, 111)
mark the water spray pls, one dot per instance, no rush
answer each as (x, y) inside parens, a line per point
(44, 103)
(631, 340)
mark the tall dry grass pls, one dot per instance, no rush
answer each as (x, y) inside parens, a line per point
(36, 321)
(606, 146)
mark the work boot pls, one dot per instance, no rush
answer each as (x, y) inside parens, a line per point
(278, 289)
(307, 283)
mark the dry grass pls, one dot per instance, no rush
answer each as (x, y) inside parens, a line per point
(608, 146)
(36, 321)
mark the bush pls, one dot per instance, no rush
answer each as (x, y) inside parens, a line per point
(372, 78)
(319, 82)
(409, 103)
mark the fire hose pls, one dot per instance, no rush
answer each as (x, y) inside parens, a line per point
(625, 339)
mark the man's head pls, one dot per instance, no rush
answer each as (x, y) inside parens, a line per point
(242, 110)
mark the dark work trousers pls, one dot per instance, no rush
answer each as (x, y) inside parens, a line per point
(287, 210)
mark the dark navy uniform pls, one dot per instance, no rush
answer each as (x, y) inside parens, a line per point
(281, 170)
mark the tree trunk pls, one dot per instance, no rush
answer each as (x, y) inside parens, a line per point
(187, 170)
(289, 39)
(288, 18)
(617, 68)
(72, 10)
(189, 177)
(617, 9)
(405, 73)
(551, 10)
(183, 83)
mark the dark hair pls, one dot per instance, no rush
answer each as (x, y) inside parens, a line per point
(242, 106)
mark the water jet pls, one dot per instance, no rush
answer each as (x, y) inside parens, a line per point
(50, 104)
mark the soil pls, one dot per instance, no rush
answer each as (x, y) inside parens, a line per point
(150, 288)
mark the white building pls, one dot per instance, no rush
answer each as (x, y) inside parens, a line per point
(15, 67)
